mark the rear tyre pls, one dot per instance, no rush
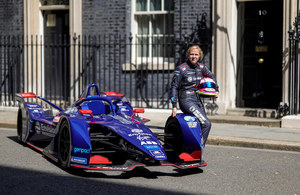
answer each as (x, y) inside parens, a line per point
(19, 125)
(23, 127)
(173, 140)
(64, 145)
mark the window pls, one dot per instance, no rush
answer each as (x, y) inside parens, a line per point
(154, 28)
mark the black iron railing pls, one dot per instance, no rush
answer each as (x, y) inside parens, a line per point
(58, 67)
(293, 106)
(11, 68)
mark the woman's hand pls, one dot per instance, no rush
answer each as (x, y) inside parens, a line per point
(174, 111)
(217, 94)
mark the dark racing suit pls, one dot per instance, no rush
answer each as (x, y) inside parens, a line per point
(183, 90)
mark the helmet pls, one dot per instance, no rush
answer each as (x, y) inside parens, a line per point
(207, 87)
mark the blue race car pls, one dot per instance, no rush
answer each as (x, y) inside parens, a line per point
(101, 131)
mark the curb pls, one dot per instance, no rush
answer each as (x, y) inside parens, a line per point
(244, 142)
(254, 143)
(254, 123)
(8, 125)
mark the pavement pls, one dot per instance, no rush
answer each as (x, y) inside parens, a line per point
(229, 130)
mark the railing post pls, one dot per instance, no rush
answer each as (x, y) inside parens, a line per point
(290, 89)
(296, 90)
(130, 63)
(74, 68)
(79, 65)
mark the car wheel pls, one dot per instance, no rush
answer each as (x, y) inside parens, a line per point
(22, 129)
(19, 125)
(173, 139)
(64, 145)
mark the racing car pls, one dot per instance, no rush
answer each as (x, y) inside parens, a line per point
(102, 131)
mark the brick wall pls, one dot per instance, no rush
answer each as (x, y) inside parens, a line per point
(101, 17)
(114, 17)
(11, 17)
(189, 10)
(109, 17)
(185, 18)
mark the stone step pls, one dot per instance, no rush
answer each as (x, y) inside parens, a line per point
(253, 112)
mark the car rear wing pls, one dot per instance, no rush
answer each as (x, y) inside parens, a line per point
(22, 96)
(27, 95)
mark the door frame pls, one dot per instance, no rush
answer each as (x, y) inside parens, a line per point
(34, 25)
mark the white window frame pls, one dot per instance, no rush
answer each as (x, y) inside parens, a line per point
(157, 61)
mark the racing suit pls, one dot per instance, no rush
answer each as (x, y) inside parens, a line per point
(183, 90)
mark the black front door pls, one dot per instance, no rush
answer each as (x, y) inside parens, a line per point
(57, 54)
(261, 40)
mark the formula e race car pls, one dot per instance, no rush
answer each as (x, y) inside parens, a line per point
(102, 131)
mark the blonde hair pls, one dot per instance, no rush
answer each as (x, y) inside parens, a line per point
(195, 47)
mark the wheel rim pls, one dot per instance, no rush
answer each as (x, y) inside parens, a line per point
(64, 144)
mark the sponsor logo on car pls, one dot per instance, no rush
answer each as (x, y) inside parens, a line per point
(32, 105)
(82, 150)
(149, 147)
(145, 138)
(124, 109)
(142, 137)
(189, 165)
(136, 130)
(38, 128)
(192, 124)
(115, 168)
(139, 134)
(189, 118)
(157, 153)
(78, 160)
(148, 143)
(42, 128)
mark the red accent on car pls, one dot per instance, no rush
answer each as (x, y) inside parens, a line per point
(90, 112)
(195, 156)
(109, 168)
(37, 148)
(203, 164)
(97, 159)
(28, 95)
(56, 119)
(139, 110)
(109, 93)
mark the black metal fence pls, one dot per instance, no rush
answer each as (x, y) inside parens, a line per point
(59, 67)
(11, 68)
(293, 105)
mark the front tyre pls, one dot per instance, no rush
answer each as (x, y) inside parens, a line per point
(64, 145)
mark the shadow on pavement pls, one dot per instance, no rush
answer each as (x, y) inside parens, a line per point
(137, 172)
(21, 181)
